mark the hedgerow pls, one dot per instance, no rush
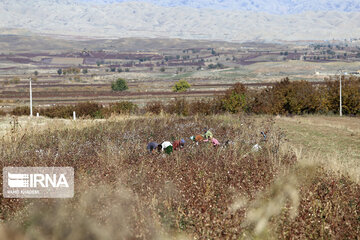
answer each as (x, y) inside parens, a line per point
(285, 97)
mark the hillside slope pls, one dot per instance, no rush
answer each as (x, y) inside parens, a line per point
(135, 19)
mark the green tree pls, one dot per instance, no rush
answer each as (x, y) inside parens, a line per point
(119, 85)
(59, 71)
(181, 86)
(235, 99)
(85, 71)
(36, 73)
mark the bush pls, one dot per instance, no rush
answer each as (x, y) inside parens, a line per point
(350, 95)
(216, 66)
(21, 111)
(296, 97)
(235, 99)
(301, 97)
(87, 109)
(206, 107)
(119, 85)
(154, 107)
(57, 111)
(179, 107)
(120, 108)
(181, 86)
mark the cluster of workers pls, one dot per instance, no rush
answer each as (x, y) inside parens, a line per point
(169, 147)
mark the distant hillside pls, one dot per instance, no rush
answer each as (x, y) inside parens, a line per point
(269, 6)
(135, 19)
(53, 44)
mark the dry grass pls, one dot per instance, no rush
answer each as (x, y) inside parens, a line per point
(331, 141)
(122, 192)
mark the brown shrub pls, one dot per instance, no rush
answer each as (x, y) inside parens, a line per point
(154, 107)
(87, 109)
(206, 107)
(21, 111)
(57, 111)
(329, 209)
(179, 107)
(287, 97)
(350, 95)
(119, 108)
(301, 97)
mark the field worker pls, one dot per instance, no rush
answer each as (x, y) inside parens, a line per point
(207, 134)
(178, 144)
(214, 141)
(159, 147)
(167, 147)
(182, 143)
(197, 139)
(151, 146)
(264, 135)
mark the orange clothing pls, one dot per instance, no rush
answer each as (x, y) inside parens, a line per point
(199, 138)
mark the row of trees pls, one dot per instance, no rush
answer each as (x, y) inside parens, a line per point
(285, 97)
(296, 97)
(121, 85)
(71, 70)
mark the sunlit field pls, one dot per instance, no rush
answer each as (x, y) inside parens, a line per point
(283, 190)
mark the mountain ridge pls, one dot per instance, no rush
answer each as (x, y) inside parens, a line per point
(138, 19)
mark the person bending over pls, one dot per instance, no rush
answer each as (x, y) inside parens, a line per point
(178, 144)
(167, 147)
(152, 146)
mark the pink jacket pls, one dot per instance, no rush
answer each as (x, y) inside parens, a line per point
(214, 141)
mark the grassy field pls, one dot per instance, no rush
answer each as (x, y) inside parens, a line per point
(332, 141)
(284, 191)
